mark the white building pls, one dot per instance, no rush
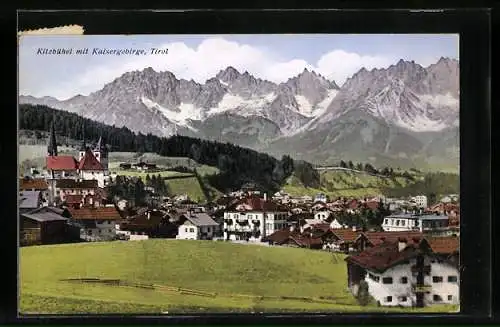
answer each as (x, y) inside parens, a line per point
(419, 276)
(320, 197)
(322, 214)
(420, 201)
(96, 224)
(409, 222)
(336, 225)
(197, 226)
(253, 218)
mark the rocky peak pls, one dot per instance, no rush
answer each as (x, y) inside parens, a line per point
(228, 75)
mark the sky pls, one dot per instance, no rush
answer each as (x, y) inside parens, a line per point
(200, 57)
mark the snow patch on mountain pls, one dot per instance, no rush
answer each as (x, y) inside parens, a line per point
(185, 112)
(241, 106)
(440, 100)
(305, 107)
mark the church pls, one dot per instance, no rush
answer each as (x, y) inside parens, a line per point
(92, 163)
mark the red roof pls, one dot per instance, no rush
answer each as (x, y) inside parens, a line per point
(444, 245)
(256, 203)
(345, 234)
(89, 162)
(101, 213)
(383, 256)
(377, 238)
(305, 241)
(62, 163)
(353, 204)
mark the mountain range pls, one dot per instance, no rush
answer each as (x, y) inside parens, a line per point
(405, 115)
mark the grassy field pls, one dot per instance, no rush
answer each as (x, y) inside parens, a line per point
(235, 278)
(346, 183)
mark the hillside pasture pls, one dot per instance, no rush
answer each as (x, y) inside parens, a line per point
(158, 276)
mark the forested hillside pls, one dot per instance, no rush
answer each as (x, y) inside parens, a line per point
(237, 165)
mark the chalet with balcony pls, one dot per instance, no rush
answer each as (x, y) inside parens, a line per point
(253, 218)
(404, 273)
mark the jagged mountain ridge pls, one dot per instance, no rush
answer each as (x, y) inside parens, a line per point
(239, 108)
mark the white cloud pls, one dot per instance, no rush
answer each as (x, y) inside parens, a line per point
(340, 65)
(212, 55)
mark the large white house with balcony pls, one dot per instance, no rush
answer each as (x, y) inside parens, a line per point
(417, 222)
(253, 218)
(403, 274)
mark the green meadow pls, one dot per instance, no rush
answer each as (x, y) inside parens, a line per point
(178, 276)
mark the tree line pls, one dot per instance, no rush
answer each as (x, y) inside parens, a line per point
(385, 171)
(237, 165)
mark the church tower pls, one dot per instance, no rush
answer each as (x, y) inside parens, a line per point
(83, 148)
(101, 153)
(52, 145)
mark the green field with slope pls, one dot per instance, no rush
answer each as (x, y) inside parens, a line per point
(344, 183)
(183, 276)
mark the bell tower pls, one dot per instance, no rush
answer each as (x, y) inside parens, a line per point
(101, 153)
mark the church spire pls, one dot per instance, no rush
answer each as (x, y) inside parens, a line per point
(52, 145)
(84, 145)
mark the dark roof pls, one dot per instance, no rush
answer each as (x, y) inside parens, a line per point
(255, 203)
(74, 184)
(383, 256)
(200, 219)
(45, 214)
(305, 241)
(100, 213)
(279, 236)
(62, 163)
(33, 183)
(89, 162)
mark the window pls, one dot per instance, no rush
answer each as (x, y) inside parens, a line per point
(109, 231)
(191, 230)
(388, 299)
(437, 279)
(450, 297)
(185, 229)
(386, 221)
(417, 223)
(374, 278)
(403, 222)
(403, 298)
(397, 222)
(436, 298)
(208, 229)
(387, 280)
(452, 279)
(404, 280)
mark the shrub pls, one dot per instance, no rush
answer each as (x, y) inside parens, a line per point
(363, 296)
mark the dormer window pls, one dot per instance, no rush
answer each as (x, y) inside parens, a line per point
(97, 155)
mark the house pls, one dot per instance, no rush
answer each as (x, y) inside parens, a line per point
(90, 166)
(30, 200)
(152, 223)
(342, 239)
(279, 237)
(96, 224)
(46, 225)
(303, 241)
(35, 184)
(420, 222)
(407, 274)
(253, 218)
(420, 201)
(77, 187)
(197, 226)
